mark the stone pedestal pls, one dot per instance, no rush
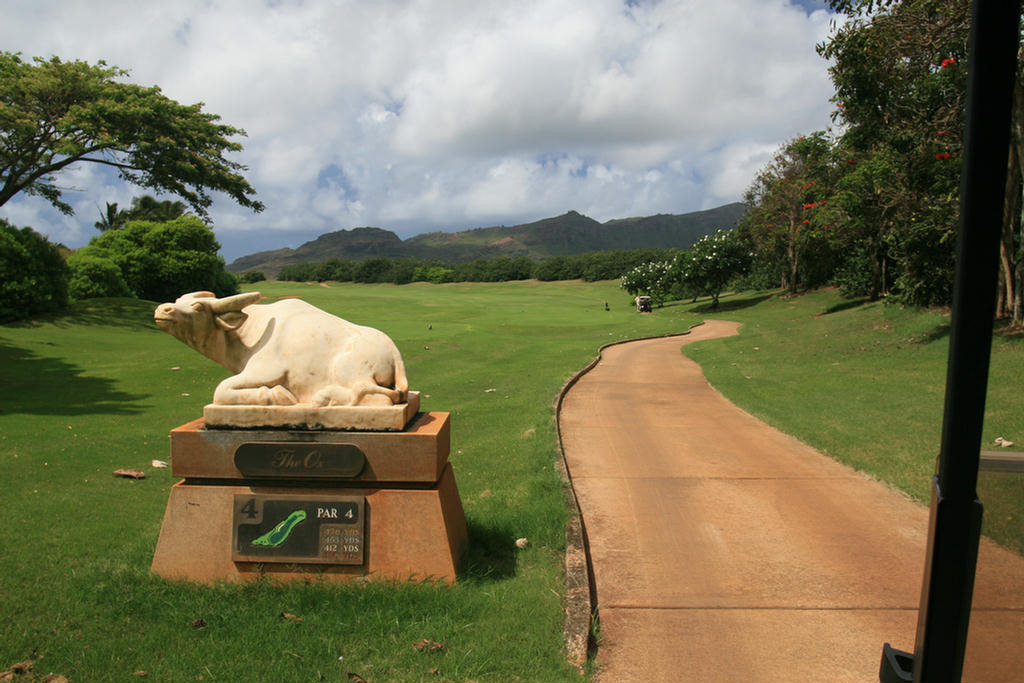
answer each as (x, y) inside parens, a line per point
(294, 504)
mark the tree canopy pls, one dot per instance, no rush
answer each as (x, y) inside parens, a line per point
(144, 208)
(157, 261)
(55, 113)
(874, 207)
(785, 200)
(33, 275)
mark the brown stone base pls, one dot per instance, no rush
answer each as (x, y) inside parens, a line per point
(416, 455)
(410, 533)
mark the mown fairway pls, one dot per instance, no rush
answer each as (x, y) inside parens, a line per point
(93, 391)
(86, 393)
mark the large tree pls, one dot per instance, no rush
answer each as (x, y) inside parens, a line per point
(1011, 252)
(55, 113)
(870, 199)
(785, 200)
(899, 68)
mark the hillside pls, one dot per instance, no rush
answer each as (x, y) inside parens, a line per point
(570, 233)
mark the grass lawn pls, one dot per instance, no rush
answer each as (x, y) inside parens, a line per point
(97, 389)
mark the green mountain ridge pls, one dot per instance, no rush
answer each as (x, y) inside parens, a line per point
(565, 235)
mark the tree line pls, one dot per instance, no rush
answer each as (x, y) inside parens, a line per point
(592, 266)
(873, 208)
(146, 259)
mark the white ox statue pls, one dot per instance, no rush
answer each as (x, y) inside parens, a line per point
(286, 353)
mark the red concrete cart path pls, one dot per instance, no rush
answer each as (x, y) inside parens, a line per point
(724, 550)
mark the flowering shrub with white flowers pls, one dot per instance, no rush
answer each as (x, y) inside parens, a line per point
(713, 261)
(654, 279)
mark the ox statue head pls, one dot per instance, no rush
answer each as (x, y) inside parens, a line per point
(197, 317)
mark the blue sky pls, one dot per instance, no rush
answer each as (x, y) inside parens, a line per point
(421, 115)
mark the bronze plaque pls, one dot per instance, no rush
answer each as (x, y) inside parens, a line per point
(287, 460)
(299, 529)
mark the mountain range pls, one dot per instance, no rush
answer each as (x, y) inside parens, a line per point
(565, 235)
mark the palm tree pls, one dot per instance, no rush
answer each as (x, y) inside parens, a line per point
(112, 219)
(144, 208)
(148, 208)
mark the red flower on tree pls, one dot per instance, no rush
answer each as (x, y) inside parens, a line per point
(942, 155)
(948, 62)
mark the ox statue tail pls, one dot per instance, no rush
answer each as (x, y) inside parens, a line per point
(401, 381)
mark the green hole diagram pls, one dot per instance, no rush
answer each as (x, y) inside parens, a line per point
(280, 533)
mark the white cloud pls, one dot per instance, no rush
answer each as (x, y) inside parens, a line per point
(734, 167)
(442, 114)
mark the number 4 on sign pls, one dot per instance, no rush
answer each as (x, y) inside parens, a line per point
(250, 509)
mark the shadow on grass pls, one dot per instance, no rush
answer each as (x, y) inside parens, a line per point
(673, 304)
(731, 304)
(133, 314)
(36, 385)
(940, 331)
(491, 555)
(845, 305)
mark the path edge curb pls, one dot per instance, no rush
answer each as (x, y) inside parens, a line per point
(579, 585)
